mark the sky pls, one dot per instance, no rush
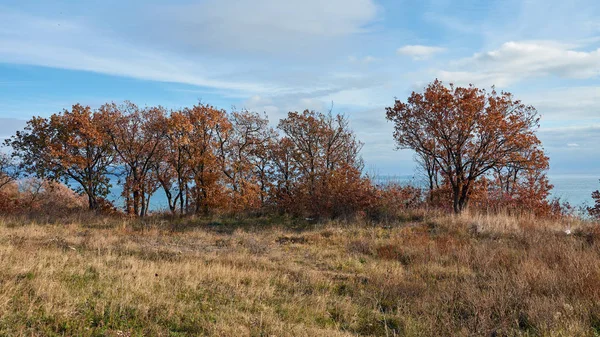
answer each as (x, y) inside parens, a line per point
(354, 56)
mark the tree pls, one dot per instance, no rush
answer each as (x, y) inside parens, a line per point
(170, 169)
(69, 146)
(466, 132)
(135, 135)
(524, 181)
(321, 147)
(285, 173)
(262, 160)
(8, 170)
(594, 211)
(242, 152)
(432, 172)
(208, 126)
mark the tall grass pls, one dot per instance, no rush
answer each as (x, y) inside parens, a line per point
(428, 275)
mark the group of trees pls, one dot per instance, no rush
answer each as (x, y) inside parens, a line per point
(476, 148)
(202, 158)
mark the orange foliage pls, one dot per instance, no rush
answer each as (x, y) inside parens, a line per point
(9, 198)
(319, 165)
(135, 135)
(243, 157)
(36, 196)
(473, 145)
(208, 126)
(70, 146)
(465, 133)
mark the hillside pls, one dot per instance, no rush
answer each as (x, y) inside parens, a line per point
(429, 275)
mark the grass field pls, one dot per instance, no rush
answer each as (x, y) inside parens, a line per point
(429, 275)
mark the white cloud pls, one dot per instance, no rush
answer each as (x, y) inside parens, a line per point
(515, 61)
(261, 26)
(26, 39)
(206, 43)
(307, 17)
(277, 56)
(419, 52)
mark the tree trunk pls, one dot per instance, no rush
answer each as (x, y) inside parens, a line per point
(92, 202)
(456, 201)
(136, 201)
(430, 190)
(460, 196)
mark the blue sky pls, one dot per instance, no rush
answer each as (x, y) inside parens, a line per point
(276, 56)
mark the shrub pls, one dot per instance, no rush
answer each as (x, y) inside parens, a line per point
(35, 196)
(392, 200)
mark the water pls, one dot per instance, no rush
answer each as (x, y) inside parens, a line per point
(158, 201)
(576, 189)
(573, 188)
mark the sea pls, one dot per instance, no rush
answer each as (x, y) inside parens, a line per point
(576, 189)
(573, 188)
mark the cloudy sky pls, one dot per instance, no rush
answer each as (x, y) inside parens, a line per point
(276, 56)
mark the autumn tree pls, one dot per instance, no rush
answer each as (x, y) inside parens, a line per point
(465, 131)
(69, 146)
(263, 163)
(285, 173)
(322, 146)
(243, 156)
(207, 127)
(135, 135)
(171, 170)
(523, 180)
(322, 143)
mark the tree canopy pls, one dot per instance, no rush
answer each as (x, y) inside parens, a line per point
(465, 133)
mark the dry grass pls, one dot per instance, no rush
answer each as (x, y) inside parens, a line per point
(441, 275)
